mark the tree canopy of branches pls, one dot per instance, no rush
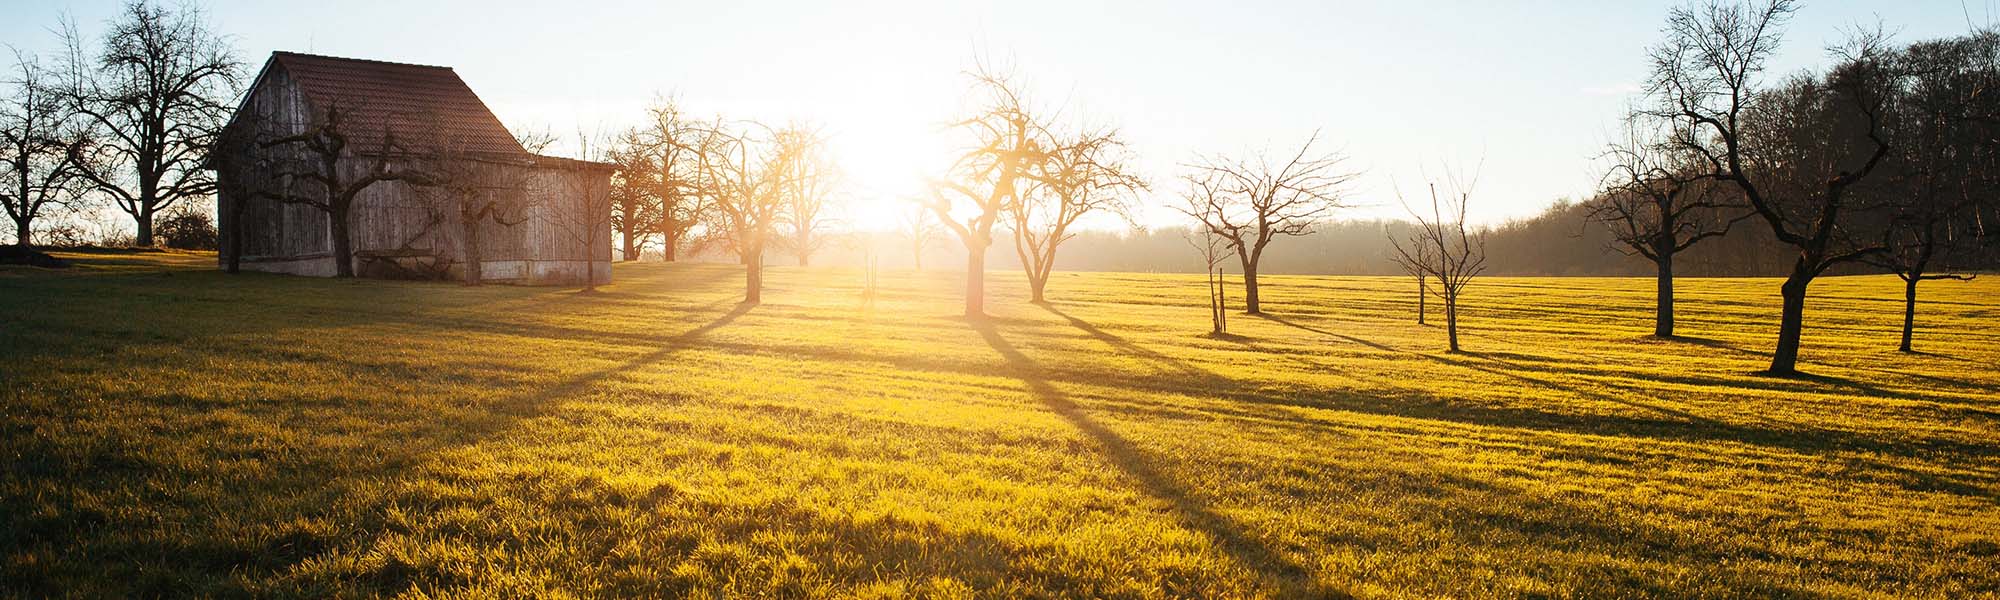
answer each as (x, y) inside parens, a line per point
(811, 189)
(1793, 152)
(1078, 174)
(155, 97)
(635, 195)
(1214, 252)
(984, 180)
(1947, 163)
(37, 133)
(1658, 200)
(658, 166)
(920, 228)
(745, 172)
(1445, 248)
(319, 155)
(471, 191)
(1251, 202)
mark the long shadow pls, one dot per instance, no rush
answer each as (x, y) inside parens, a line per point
(1686, 426)
(1128, 347)
(1252, 553)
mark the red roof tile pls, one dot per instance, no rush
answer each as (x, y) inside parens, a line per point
(398, 97)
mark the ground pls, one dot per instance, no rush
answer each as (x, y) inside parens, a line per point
(171, 430)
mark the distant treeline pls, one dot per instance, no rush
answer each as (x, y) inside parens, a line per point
(1561, 241)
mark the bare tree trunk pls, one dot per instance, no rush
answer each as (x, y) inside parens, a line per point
(975, 282)
(1909, 309)
(343, 249)
(23, 231)
(1218, 301)
(474, 274)
(1451, 319)
(1035, 286)
(670, 246)
(590, 261)
(232, 232)
(1423, 297)
(1663, 310)
(917, 257)
(1784, 361)
(627, 249)
(753, 277)
(1250, 305)
(145, 233)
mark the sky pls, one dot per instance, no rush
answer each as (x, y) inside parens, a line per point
(1524, 93)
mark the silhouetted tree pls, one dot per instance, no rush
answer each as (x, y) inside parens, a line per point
(1445, 248)
(1086, 173)
(669, 148)
(155, 96)
(1419, 256)
(920, 227)
(745, 173)
(1793, 152)
(1658, 200)
(985, 178)
(811, 188)
(1947, 164)
(1215, 252)
(1252, 202)
(37, 133)
(320, 157)
(635, 194)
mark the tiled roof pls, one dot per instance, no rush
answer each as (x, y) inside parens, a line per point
(375, 96)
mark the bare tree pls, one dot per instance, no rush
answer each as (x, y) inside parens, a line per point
(1794, 152)
(811, 189)
(1946, 166)
(664, 166)
(920, 227)
(156, 95)
(1658, 200)
(986, 177)
(635, 195)
(471, 190)
(745, 173)
(322, 157)
(1444, 247)
(1215, 252)
(36, 135)
(1085, 173)
(1252, 202)
(1420, 255)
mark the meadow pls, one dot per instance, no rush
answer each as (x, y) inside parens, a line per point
(170, 430)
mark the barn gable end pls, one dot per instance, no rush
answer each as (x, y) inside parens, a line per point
(413, 117)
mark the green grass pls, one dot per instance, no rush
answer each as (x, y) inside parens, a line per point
(170, 430)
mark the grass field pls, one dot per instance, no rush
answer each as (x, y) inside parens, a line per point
(170, 430)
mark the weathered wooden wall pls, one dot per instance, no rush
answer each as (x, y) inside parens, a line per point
(400, 229)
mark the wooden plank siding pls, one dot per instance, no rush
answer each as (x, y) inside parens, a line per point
(399, 229)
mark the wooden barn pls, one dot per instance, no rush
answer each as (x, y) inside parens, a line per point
(429, 180)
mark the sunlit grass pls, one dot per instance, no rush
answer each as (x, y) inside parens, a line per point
(172, 430)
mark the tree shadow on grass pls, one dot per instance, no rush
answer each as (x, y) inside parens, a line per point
(1682, 425)
(1278, 569)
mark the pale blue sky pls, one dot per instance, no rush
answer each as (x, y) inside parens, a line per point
(1533, 87)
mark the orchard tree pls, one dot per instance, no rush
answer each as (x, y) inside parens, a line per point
(1252, 202)
(1444, 247)
(1080, 174)
(155, 95)
(1793, 152)
(37, 132)
(1658, 200)
(984, 180)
